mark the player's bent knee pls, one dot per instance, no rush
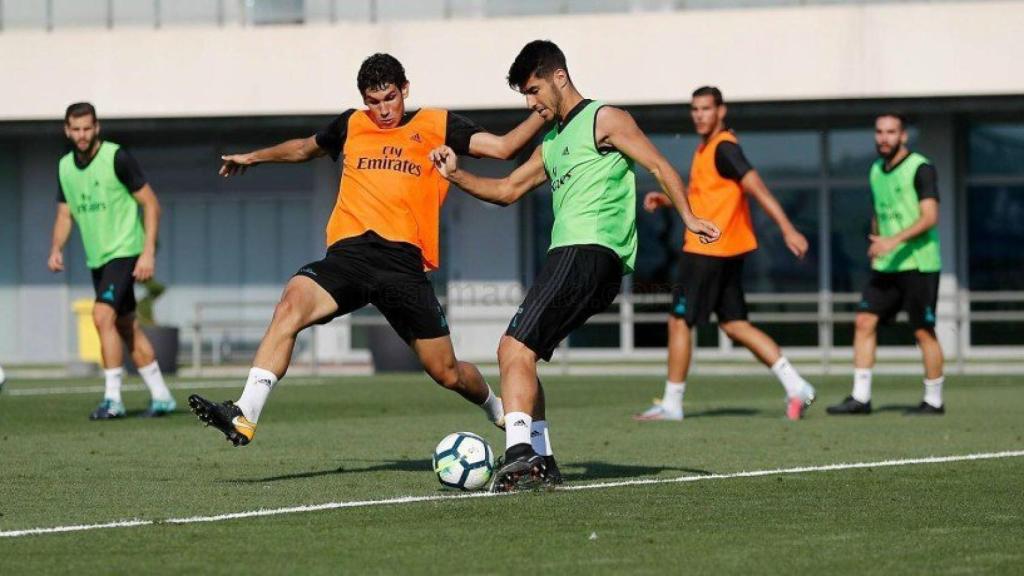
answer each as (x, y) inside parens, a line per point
(104, 317)
(512, 351)
(734, 328)
(866, 323)
(288, 316)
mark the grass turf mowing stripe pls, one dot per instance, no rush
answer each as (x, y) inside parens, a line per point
(435, 498)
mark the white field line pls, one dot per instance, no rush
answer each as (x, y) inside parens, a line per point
(235, 383)
(436, 498)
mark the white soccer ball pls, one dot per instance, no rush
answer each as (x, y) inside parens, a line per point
(463, 460)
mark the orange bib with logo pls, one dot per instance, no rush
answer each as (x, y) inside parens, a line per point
(716, 198)
(389, 186)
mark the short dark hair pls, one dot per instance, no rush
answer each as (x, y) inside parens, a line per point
(540, 58)
(79, 109)
(904, 121)
(712, 91)
(378, 71)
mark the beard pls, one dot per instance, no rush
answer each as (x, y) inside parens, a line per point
(887, 155)
(89, 145)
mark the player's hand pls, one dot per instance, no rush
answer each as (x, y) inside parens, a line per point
(796, 242)
(655, 200)
(56, 261)
(235, 164)
(144, 267)
(881, 245)
(705, 230)
(445, 160)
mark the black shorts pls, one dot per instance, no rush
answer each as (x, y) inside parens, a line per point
(575, 283)
(115, 285)
(915, 292)
(707, 284)
(368, 269)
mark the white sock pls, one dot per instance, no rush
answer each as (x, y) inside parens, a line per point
(862, 385)
(672, 399)
(518, 426)
(933, 391)
(795, 385)
(254, 396)
(113, 377)
(492, 406)
(539, 438)
(154, 380)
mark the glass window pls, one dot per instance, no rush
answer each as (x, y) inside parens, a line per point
(70, 13)
(773, 268)
(524, 7)
(995, 237)
(851, 152)
(851, 212)
(190, 12)
(996, 149)
(277, 11)
(390, 10)
(783, 155)
(23, 13)
(134, 13)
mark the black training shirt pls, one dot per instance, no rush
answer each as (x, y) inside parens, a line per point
(458, 131)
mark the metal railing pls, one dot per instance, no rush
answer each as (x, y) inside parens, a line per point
(955, 309)
(53, 14)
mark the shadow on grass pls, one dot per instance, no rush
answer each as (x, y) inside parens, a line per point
(380, 466)
(717, 412)
(591, 470)
(895, 408)
(608, 471)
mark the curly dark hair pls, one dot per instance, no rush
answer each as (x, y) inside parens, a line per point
(378, 71)
(540, 58)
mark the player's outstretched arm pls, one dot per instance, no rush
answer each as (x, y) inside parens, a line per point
(61, 233)
(617, 128)
(487, 145)
(500, 191)
(756, 188)
(290, 151)
(146, 263)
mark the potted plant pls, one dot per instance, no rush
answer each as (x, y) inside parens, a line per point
(163, 338)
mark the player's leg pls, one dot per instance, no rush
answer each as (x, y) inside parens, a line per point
(141, 350)
(693, 298)
(114, 286)
(104, 317)
(520, 389)
(303, 303)
(575, 283)
(540, 437)
(922, 290)
(879, 302)
(438, 359)
(406, 298)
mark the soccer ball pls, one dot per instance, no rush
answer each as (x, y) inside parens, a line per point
(463, 460)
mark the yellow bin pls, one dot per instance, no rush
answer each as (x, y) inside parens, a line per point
(88, 337)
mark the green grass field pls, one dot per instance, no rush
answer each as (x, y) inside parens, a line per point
(368, 439)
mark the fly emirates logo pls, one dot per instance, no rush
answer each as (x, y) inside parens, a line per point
(390, 159)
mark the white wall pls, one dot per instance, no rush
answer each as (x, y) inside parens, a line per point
(877, 50)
